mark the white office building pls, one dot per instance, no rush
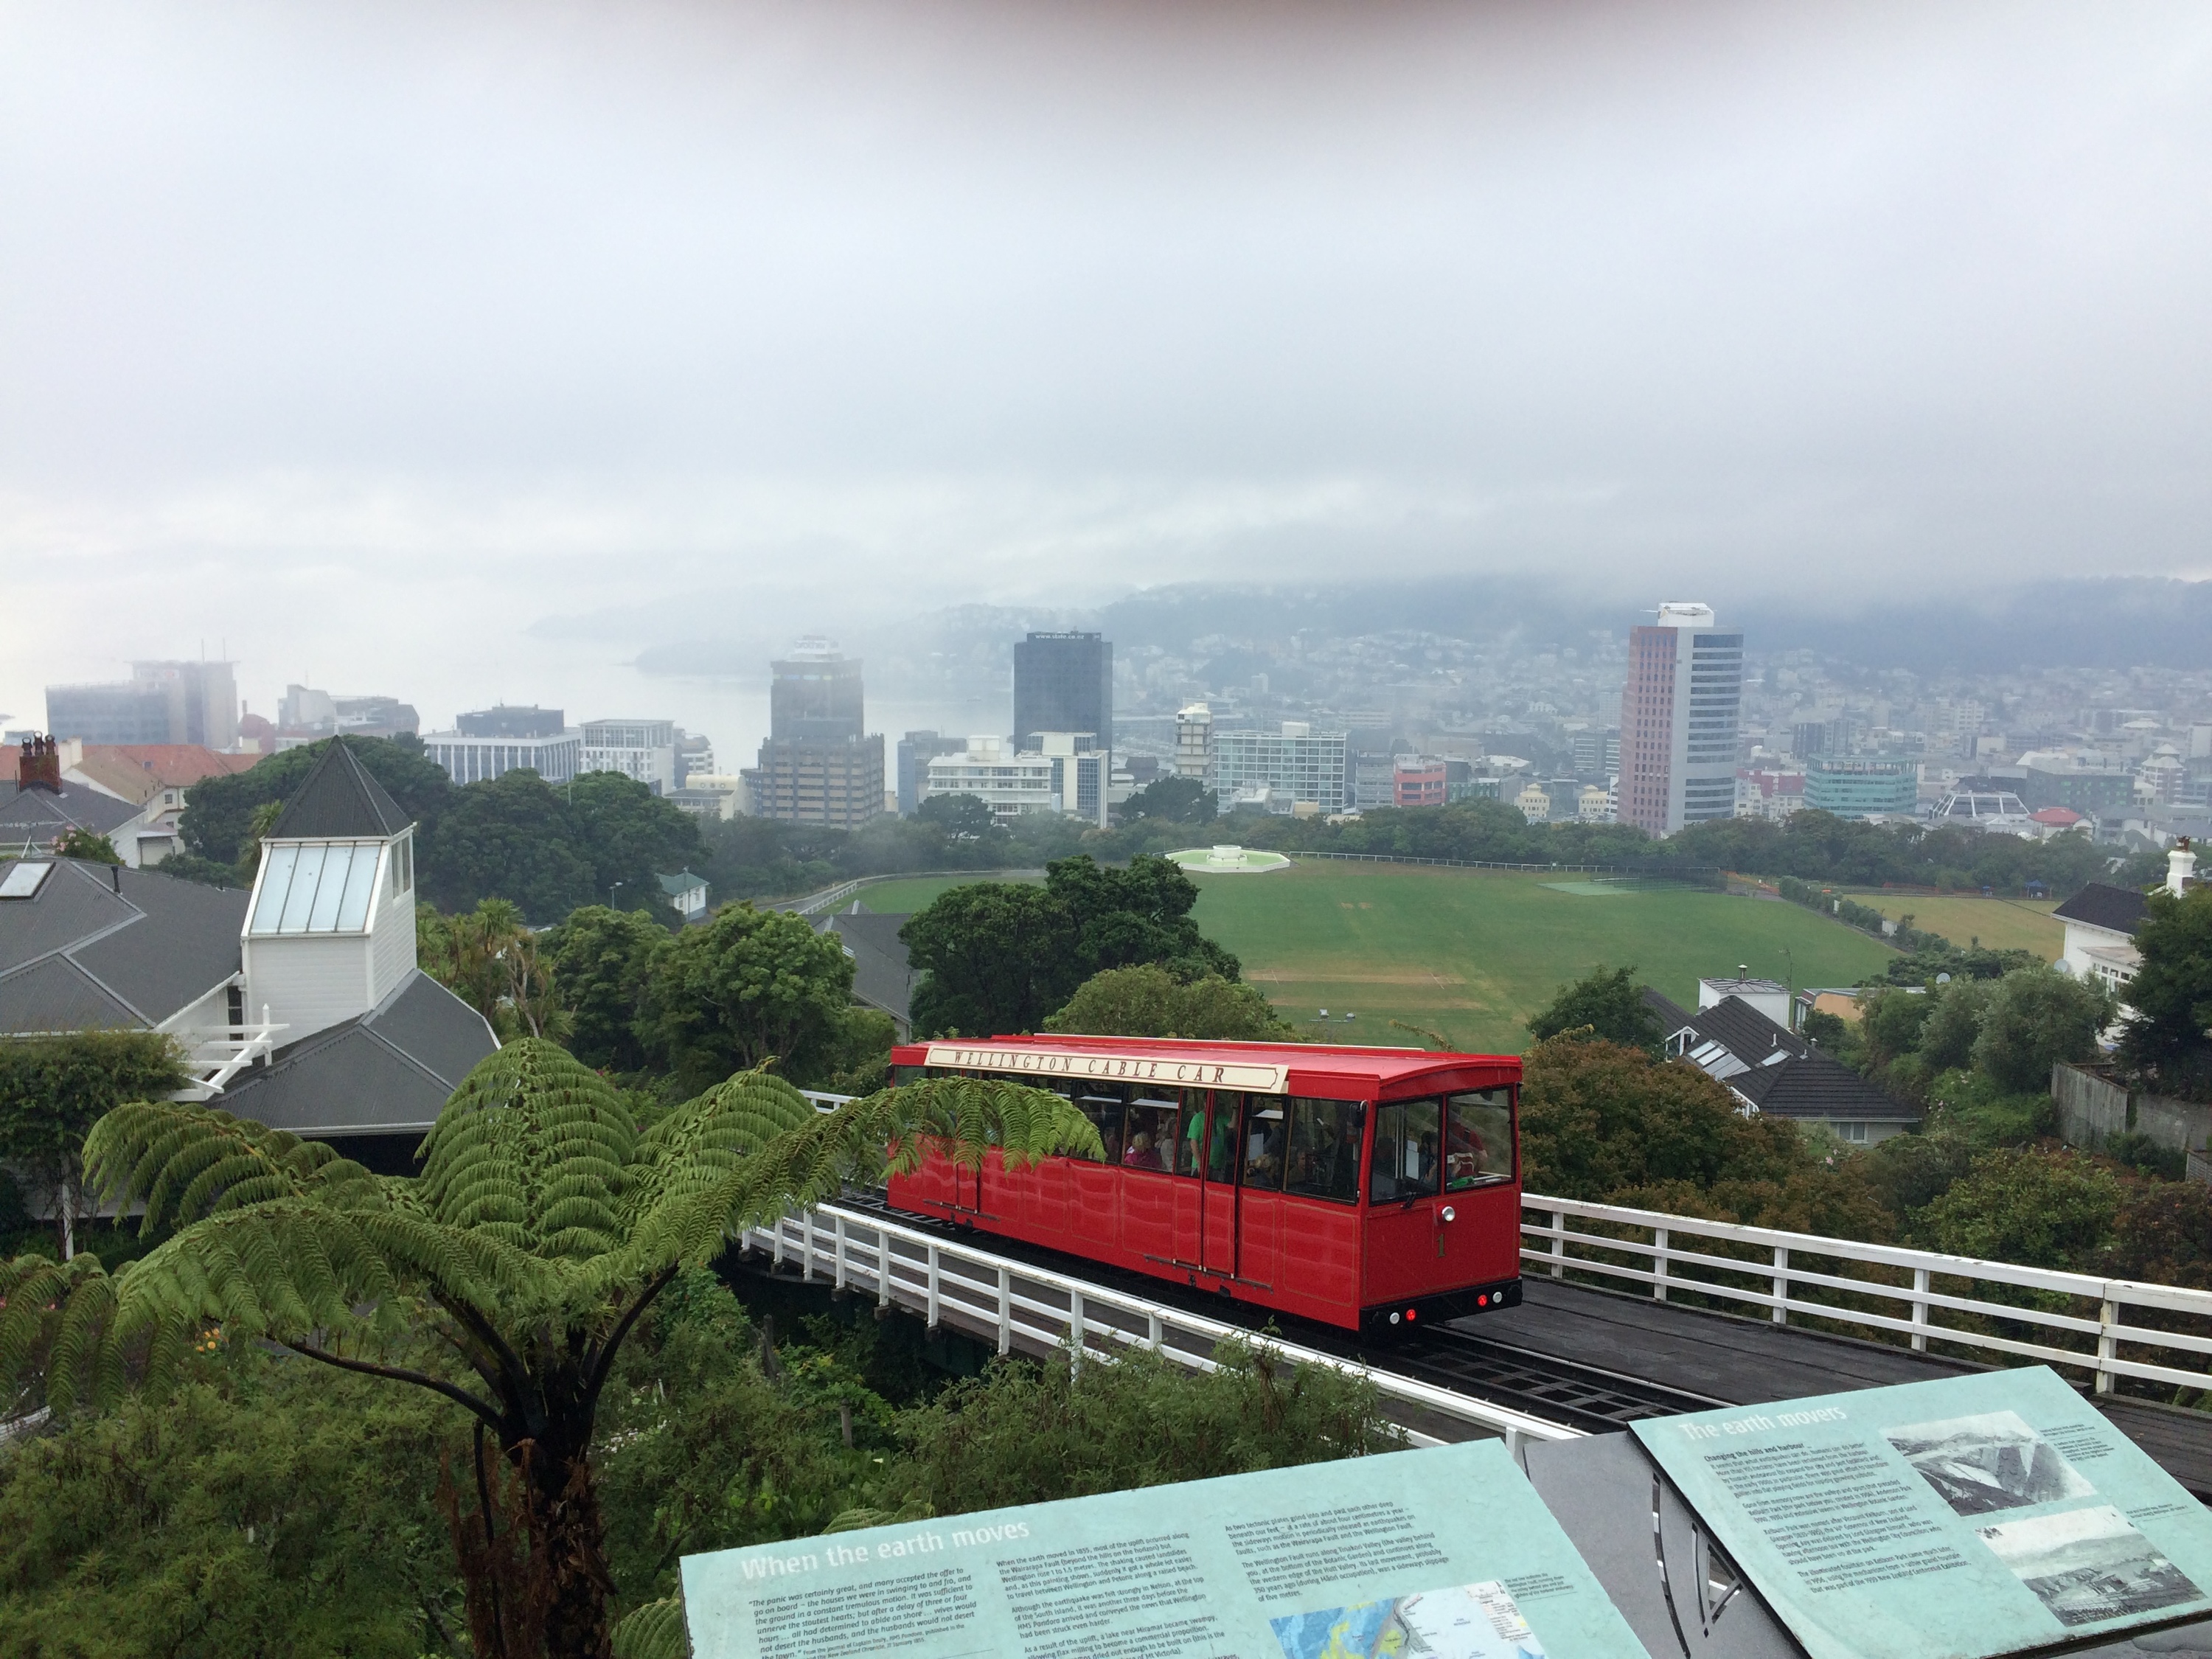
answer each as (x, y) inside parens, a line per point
(1058, 777)
(643, 749)
(1294, 766)
(555, 756)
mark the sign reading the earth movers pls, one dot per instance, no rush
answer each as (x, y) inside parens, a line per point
(1969, 1517)
(1446, 1552)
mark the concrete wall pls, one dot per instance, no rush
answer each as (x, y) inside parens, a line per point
(2092, 1108)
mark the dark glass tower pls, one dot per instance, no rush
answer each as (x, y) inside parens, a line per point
(815, 697)
(1063, 683)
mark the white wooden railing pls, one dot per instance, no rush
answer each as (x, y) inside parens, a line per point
(855, 1250)
(1663, 1253)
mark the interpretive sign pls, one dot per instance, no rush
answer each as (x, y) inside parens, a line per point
(1446, 1552)
(1972, 1516)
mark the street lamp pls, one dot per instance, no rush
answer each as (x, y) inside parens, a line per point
(612, 891)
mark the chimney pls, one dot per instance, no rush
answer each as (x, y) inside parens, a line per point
(2180, 868)
(39, 767)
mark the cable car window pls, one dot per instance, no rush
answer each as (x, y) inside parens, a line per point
(1267, 1139)
(1101, 1103)
(1323, 1161)
(1157, 1138)
(1479, 1139)
(1406, 1151)
(1221, 1148)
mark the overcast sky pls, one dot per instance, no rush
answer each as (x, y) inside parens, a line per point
(362, 338)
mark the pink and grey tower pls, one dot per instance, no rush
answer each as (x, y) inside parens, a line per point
(1679, 715)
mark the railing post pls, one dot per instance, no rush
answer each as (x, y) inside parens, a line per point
(1154, 1331)
(1782, 1284)
(1005, 1310)
(779, 1241)
(2108, 1345)
(806, 1245)
(837, 1243)
(1558, 1243)
(1920, 1282)
(1075, 1332)
(932, 1290)
(1659, 1264)
(883, 1268)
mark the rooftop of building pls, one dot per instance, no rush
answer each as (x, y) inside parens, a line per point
(339, 800)
(2117, 909)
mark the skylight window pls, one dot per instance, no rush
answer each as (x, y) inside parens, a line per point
(22, 880)
(316, 888)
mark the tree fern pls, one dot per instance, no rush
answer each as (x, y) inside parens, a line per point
(542, 1224)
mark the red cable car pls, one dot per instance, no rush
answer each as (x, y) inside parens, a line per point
(1369, 1188)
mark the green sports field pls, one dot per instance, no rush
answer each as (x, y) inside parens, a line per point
(2000, 924)
(1472, 954)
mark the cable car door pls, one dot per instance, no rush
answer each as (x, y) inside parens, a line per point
(1218, 1230)
(1404, 1242)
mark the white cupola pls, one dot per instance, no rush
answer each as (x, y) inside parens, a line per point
(329, 931)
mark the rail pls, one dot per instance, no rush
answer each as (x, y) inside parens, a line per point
(1910, 1290)
(856, 1251)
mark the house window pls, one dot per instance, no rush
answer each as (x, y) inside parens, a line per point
(1856, 1133)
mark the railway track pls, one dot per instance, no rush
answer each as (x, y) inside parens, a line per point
(1579, 1396)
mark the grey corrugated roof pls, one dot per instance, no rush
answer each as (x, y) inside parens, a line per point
(141, 954)
(883, 977)
(338, 798)
(1745, 1032)
(57, 995)
(391, 1070)
(1813, 1085)
(37, 816)
(2101, 905)
(1671, 1015)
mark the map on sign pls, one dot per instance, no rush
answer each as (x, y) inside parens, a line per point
(1472, 1621)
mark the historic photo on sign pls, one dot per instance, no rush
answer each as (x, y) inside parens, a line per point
(1991, 1462)
(2089, 1565)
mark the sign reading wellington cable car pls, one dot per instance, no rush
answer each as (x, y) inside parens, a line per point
(1972, 1516)
(1181, 1070)
(1446, 1552)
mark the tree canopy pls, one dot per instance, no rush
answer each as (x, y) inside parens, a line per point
(543, 1226)
(1147, 1000)
(54, 1089)
(1171, 801)
(748, 987)
(1607, 1001)
(2168, 1041)
(1002, 956)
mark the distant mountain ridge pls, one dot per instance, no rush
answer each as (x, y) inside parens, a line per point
(2119, 621)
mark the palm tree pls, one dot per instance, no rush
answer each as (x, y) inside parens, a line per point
(542, 1224)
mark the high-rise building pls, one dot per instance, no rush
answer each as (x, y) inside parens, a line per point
(819, 765)
(1862, 785)
(814, 695)
(1063, 683)
(1194, 735)
(1679, 715)
(161, 703)
(915, 751)
(1280, 771)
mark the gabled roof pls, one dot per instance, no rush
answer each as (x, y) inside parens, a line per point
(1748, 1035)
(338, 801)
(680, 884)
(2119, 909)
(1813, 1085)
(387, 1072)
(37, 816)
(1672, 1016)
(99, 945)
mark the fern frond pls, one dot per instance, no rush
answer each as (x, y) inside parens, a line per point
(534, 1150)
(188, 1162)
(655, 1631)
